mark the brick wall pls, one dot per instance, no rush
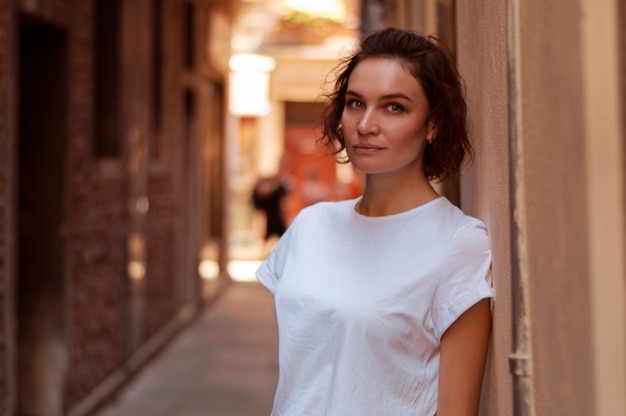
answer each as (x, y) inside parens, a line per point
(100, 322)
(163, 293)
(96, 224)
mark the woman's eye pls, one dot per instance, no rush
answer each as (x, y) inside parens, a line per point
(395, 108)
(355, 104)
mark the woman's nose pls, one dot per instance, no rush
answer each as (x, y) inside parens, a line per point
(368, 124)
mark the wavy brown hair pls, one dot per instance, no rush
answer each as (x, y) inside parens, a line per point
(430, 61)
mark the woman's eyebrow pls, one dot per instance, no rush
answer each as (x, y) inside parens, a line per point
(384, 97)
(350, 92)
(397, 95)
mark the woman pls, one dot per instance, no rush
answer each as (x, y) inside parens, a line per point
(383, 302)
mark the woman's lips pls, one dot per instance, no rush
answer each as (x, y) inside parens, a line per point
(366, 148)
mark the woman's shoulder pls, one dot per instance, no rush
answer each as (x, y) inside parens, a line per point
(451, 223)
(321, 215)
(456, 216)
(327, 208)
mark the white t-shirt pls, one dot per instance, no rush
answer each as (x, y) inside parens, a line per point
(362, 302)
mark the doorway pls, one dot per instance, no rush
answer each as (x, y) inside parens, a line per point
(42, 354)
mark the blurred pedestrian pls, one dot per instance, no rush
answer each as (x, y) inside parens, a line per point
(268, 196)
(383, 301)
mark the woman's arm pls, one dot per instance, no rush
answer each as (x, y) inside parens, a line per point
(462, 362)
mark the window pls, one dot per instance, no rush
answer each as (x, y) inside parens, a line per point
(107, 80)
(189, 31)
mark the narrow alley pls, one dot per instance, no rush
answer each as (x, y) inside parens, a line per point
(141, 140)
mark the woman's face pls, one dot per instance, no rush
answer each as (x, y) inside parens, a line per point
(384, 119)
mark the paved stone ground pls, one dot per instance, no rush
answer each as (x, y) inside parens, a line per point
(223, 364)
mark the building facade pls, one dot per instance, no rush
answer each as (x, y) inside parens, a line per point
(111, 181)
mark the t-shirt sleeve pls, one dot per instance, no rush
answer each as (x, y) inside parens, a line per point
(465, 278)
(270, 270)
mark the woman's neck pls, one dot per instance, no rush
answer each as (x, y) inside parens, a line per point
(381, 197)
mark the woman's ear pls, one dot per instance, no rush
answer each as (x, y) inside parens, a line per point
(431, 132)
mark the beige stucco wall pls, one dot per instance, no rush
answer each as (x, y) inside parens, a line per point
(481, 44)
(569, 202)
(604, 106)
(559, 145)
(552, 180)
